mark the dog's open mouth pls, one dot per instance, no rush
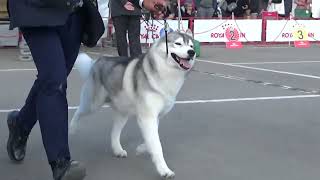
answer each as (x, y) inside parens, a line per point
(183, 62)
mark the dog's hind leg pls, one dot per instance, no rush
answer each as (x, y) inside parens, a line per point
(119, 121)
(92, 98)
(149, 128)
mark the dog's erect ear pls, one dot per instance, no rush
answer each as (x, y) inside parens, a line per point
(189, 32)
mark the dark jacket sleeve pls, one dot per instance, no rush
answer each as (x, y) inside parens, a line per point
(53, 3)
(123, 2)
(59, 3)
(135, 2)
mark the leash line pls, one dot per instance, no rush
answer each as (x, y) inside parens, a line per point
(166, 35)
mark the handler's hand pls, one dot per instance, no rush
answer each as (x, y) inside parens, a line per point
(155, 6)
(129, 6)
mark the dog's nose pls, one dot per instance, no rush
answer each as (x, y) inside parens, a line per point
(191, 53)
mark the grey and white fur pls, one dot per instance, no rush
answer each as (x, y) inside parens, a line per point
(145, 88)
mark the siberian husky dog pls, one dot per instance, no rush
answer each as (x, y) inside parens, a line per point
(144, 87)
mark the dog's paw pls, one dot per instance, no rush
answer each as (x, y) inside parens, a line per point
(166, 173)
(141, 149)
(120, 153)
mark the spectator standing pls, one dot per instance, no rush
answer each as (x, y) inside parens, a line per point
(188, 10)
(206, 8)
(278, 6)
(238, 7)
(263, 5)
(124, 21)
(254, 6)
(287, 7)
(193, 2)
(172, 11)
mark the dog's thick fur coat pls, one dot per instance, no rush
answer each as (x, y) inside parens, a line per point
(144, 87)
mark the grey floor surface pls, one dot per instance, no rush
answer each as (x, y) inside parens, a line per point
(259, 120)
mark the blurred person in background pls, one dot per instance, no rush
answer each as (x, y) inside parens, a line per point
(287, 7)
(238, 7)
(193, 2)
(171, 11)
(206, 8)
(263, 5)
(303, 8)
(188, 11)
(254, 7)
(303, 4)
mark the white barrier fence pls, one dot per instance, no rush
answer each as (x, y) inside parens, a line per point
(213, 30)
(247, 30)
(284, 30)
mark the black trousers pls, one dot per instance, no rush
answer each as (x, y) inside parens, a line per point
(130, 24)
(287, 7)
(54, 50)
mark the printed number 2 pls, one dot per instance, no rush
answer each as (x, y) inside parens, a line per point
(232, 35)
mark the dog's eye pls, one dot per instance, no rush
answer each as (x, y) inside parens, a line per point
(179, 44)
(191, 46)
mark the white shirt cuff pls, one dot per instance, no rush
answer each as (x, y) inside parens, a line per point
(140, 3)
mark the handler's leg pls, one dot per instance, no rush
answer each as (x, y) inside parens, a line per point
(50, 100)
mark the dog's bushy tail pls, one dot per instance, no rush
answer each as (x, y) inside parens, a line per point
(83, 64)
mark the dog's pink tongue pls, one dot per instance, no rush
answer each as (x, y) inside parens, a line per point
(186, 64)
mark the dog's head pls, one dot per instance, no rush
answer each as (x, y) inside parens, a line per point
(181, 52)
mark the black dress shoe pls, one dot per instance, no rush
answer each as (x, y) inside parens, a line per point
(67, 170)
(17, 141)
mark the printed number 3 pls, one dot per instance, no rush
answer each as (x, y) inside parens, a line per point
(300, 34)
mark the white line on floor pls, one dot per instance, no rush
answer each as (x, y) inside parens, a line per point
(241, 63)
(246, 99)
(261, 69)
(13, 70)
(212, 101)
(99, 54)
(285, 62)
(34, 69)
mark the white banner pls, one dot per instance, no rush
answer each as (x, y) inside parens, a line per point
(150, 30)
(214, 30)
(284, 30)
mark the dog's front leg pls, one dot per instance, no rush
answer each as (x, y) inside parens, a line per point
(119, 121)
(142, 148)
(149, 128)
